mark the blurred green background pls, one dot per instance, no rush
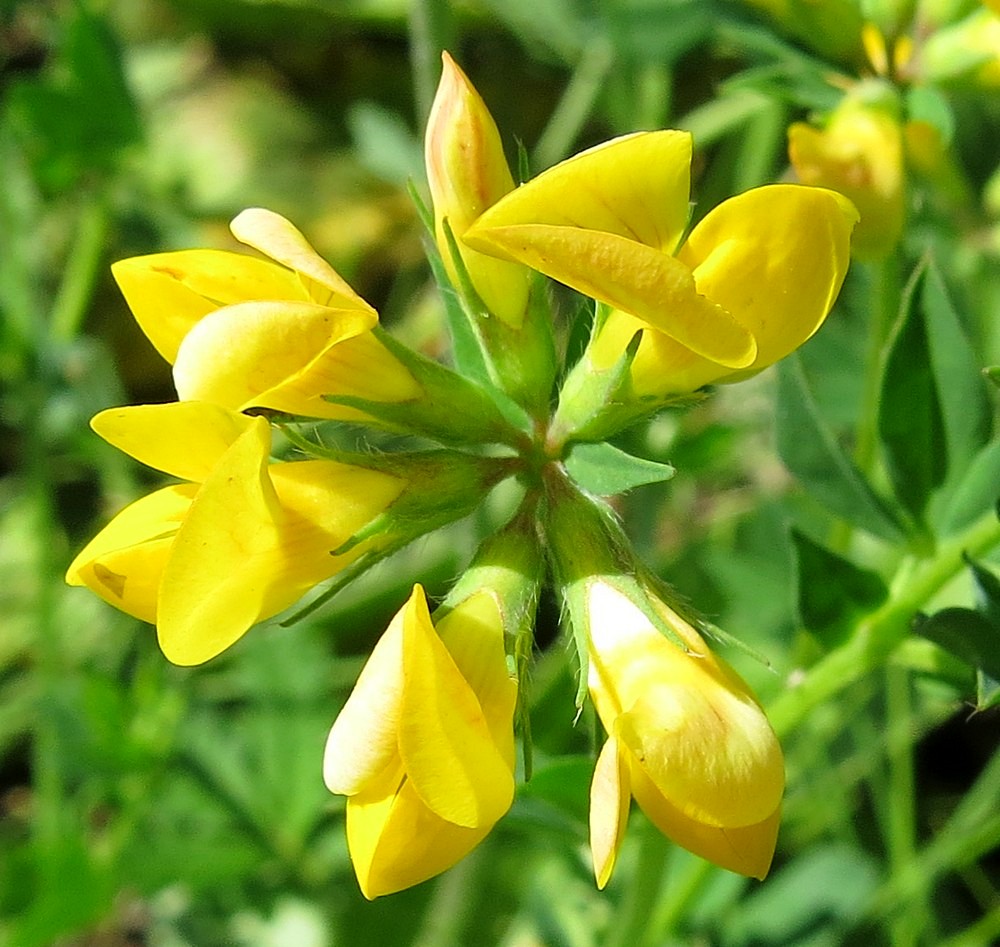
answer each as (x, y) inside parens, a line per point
(146, 804)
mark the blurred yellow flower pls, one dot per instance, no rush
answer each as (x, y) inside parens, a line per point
(424, 747)
(751, 283)
(244, 332)
(686, 738)
(238, 541)
(859, 153)
(467, 173)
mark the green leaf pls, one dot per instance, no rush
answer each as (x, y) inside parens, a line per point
(910, 423)
(993, 374)
(965, 405)
(977, 491)
(605, 470)
(926, 103)
(563, 784)
(811, 452)
(967, 634)
(78, 116)
(832, 591)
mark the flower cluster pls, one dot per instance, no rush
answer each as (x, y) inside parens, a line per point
(424, 749)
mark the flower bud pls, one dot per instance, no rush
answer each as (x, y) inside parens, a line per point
(468, 173)
(859, 153)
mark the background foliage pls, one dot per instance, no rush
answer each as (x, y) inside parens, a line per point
(836, 514)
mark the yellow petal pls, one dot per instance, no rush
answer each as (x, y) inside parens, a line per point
(610, 796)
(691, 721)
(635, 187)
(358, 367)
(445, 742)
(247, 354)
(169, 293)
(184, 439)
(362, 741)
(278, 525)
(323, 504)
(654, 287)
(216, 580)
(710, 752)
(396, 841)
(473, 633)
(747, 850)
(775, 257)
(278, 238)
(124, 562)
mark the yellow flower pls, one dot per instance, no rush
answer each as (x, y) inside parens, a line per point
(238, 541)
(754, 280)
(424, 747)
(245, 332)
(686, 738)
(859, 153)
(467, 173)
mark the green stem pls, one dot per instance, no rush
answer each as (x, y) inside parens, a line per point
(886, 295)
(576, 103)
(900, 817)
(48, 783)
(430, 33)
(642, 894)
(677, 902)
(82, 266)
(878, 635)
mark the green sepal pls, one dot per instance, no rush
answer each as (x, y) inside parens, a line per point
(453, 409)
(465, 347)
(606, 470)
(595, 404)
(441, 486)
(521, 361)
(585, 543)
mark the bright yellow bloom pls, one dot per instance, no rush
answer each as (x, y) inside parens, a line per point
(239, 541)
(859, 153)
(424, 747)
(752, 282)
(686, 738)
(467, 173)
(244, 332)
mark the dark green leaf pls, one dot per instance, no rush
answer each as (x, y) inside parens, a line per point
(987, 691)
(832, 592)
(967, 634)
(909, 419)
(811, 452)
(987, 587)
(605, 470)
